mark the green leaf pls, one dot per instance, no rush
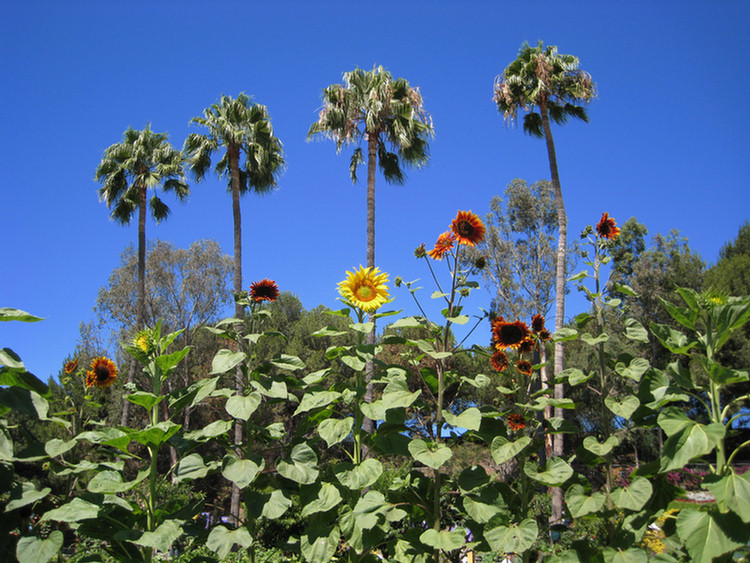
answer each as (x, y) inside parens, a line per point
(354, 362)
(242, 472)
(214, 429)
(480, 512)
(301, 466)
(672, 420)
(359, 477)
(557, 472)
(22, 379)
(431, 455)
(595, 447)
(144, 399)
(8, 314)
(446, 540)
(56, 446)
(158, 433)
(192, 467)
(564, 334)
(470, 419)
(624, 408)
(24, 494)
(397, 395)
(221, 540)
(693, 441)
(315, 400)
(634, 370)
(515, 538)
(503, 449)
(334, 430)
(635, 331)
(673, 340)
(243, 406)
(275, 505)
(326, 497)
(634, 496)
(480, 381)
(472, 478)
(168, 362)
(704, 536)
(225, 360)
(76, 510)
(722, 375)
(39, 550)
(580, 503)
(630, 555)
(287, 362)
(732, 492)
(575, 376)
(318, 544)
(594, 340)
(111, 482)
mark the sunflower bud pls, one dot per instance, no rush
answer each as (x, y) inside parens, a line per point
(420, 251)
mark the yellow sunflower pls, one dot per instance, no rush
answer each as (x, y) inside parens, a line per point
(468, 228)
(102, 373)
(365, 288)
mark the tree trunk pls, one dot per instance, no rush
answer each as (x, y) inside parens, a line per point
(372, 155)
(140, 302)
(562, 228)
(239, 311)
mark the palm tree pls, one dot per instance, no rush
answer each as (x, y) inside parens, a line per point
(388, 115)
(239, 126)
(547, 86)
(142, 160)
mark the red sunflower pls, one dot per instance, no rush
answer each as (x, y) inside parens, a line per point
(102, 373)
(525, 367)
(537, 323)
(499, 361)
(607, 228)
(442, 246)
(71, 366)
(516, 422)
(509, 335)
(264, 290)
(468, 228)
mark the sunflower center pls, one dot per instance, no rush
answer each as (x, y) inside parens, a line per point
(102, 373)
(465, 229)
(511, 334)
(365, 292)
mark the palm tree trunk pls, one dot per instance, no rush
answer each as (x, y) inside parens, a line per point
(140, 302)
(562, 229)
(372, 150)
(239, 311)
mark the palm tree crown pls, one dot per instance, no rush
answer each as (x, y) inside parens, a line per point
(388, 113)
(542, 77)
(142, 160)
(240, 126)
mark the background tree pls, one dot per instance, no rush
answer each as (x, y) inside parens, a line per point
(143, 160)
(237, 126)
(547, 86)
(388, 116)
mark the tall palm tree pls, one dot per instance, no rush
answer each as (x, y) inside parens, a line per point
(143, 160)
(388, 116)
(547, 86)
(237, 126)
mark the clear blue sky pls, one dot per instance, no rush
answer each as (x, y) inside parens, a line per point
(667, 140)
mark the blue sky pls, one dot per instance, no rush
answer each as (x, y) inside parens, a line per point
(667, 140)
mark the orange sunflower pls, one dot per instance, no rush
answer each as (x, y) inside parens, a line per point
(71, 366)
(607, 228)
(468, 228)
(102, 373)
(516, 422)
(264, 290)
(499, 361)
(537, 323)
(509, 335)
(442, 246)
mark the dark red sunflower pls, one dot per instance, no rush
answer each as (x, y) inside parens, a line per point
(442, 246)
(499, 361)
(544, 335)
(509, 335)
(607, 228)
(264, 290)
(71, 366)
(468, 228)
(526, 346)
(516, 422)
(537, 323)
(525, 367)
(102, 373)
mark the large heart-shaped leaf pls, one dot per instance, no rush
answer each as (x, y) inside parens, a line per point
(557, 472)
(580, 503)
(358, 477)
(243, 406)
(162, 537)
(323, 498)
(503, 449)
(432, 455)
(225, 360)
(597, 448)
(335, 430)
(623, 408)
(76, 510)
(470, 419)
(732, 492)
(634, 496)
(301, 466)
(242, 472)
(446, 540)
(515, 538)
(221, 540)
(38, 550)
(704, 536)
